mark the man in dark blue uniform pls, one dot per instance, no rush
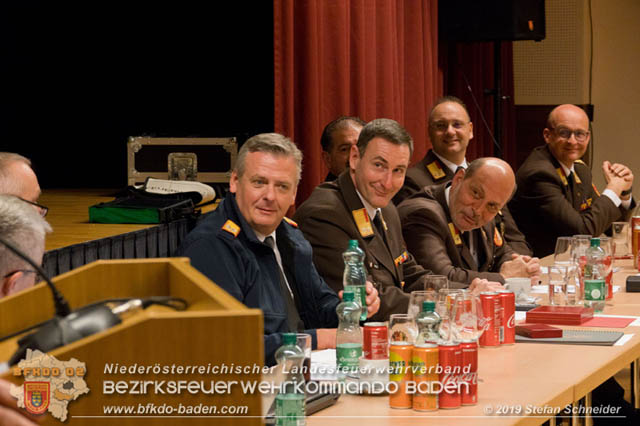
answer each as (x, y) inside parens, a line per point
(249, 248)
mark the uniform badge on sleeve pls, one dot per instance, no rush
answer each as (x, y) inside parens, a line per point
(363, 222)
(401, 259)
(435, 170)
(291, 222)
(231, 227)
(455, 234)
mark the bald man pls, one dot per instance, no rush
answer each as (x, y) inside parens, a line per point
(450, 228)
(556, 196)
(450, 131)
(18, 178)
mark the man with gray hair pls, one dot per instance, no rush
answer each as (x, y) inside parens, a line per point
(24, 228)
(249, 248)
(17, 178)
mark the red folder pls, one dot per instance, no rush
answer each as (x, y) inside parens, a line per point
(565, 315)
(536, 331)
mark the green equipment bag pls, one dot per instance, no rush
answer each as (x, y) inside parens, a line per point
(137, 206)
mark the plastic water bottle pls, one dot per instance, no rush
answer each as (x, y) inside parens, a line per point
(595, 287)
(428, 322)
(355, 278)
(348, 335)
(290, 402)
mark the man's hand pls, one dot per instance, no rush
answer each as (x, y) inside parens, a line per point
(521, 266)
(619, 178)
(326, 338)
(9, 412)
(373, 301)
(478, 285)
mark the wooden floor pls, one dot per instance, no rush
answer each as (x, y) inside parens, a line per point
(69, 216)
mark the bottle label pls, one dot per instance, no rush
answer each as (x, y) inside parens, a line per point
(348, 355)
(595, 289)
(290, 409)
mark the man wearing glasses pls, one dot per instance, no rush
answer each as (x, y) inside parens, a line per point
(25, 229)
(555, 195)
(17, 178)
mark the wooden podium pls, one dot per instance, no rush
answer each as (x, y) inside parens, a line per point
(216, 331)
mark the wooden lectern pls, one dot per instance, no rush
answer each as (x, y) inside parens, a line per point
(215, 331)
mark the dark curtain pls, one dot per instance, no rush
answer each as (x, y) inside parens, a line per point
(469, 68)
(352, 57)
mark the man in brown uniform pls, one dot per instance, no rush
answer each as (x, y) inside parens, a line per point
(450, 228)
(555, 195)
(450, 130)
(358, 206)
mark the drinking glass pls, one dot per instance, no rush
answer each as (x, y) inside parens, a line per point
(606, 243)
(436, 282)
(579, 246)
(468, 320)
(402, 328)
(562, 255)
(444, 304)
(621, 240)
(303, 340)
(558, 278)
(416, 299)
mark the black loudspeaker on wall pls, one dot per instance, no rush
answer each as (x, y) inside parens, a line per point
(490, 20)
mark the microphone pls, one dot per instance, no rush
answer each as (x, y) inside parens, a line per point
(61, 305)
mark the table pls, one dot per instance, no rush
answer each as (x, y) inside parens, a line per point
(69, 217)
(532, 376)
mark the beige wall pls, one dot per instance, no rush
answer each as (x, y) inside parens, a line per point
(616, 86)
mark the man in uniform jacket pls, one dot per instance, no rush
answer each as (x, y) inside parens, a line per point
(450, 130)
(336, 140)
(450, 228)
(555, 195)
(249, 248)
(357, 206)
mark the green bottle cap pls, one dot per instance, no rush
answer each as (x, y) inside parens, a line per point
(353, 244)
(595, 242)
(428, 306)
(348, 296)
(289, 338)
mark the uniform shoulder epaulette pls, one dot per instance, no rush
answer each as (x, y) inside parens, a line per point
(291, 222)
(231, 227)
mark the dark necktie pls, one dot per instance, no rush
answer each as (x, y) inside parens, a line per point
(293, 318)
(377, 221)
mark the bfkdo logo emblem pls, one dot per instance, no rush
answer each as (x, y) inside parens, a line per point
(36, 396)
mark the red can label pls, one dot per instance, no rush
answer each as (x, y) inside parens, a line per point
(375, 343)
(469, 378)
(507, 317)
(492, 313)
(450, 375)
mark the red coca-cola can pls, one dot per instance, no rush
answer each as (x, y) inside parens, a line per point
(450, 363)
(375, 343)
(635, 239)
(507, 317)
(492, 312)
(469, 377)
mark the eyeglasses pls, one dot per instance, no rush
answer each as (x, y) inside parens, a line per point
(24, 271)
(442, 126)
(565, 133)
(43, 210)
